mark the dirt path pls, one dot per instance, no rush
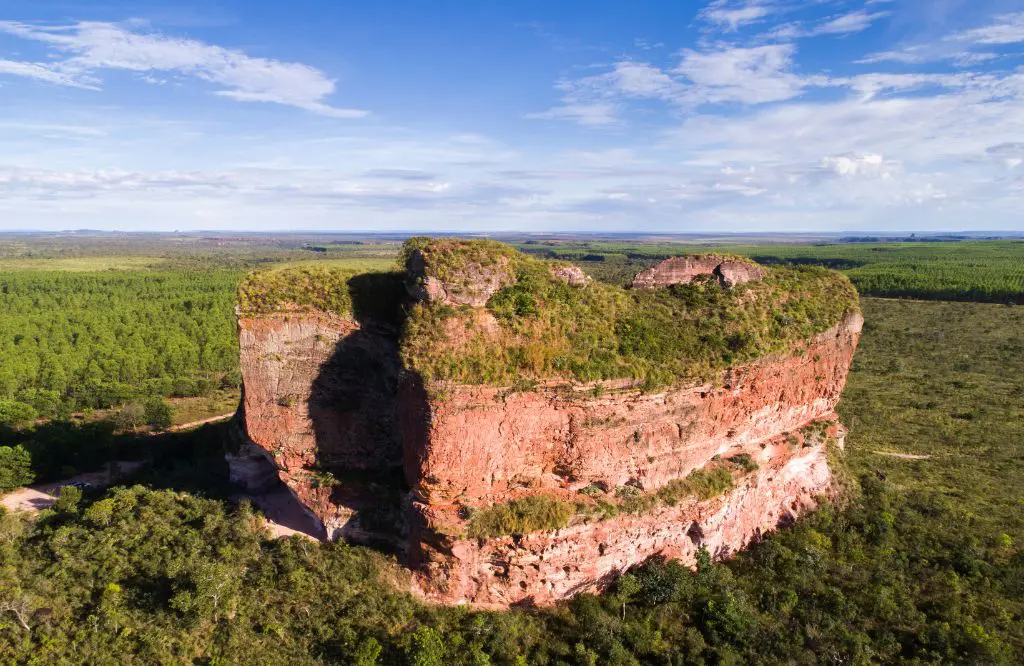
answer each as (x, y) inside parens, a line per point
(902, 456)
(196, 424)
(283, 514)
(41, 496)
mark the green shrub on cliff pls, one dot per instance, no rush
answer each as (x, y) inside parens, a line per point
(522, 516)
(547, 328)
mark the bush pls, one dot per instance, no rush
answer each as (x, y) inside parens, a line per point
(744, 462)
(158, 414)
(15, 468)
(15, 414)
(130, 417)
(522, 516)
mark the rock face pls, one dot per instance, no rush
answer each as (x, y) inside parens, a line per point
(380, 453)
(683, 270)
(544, 567)
(319, 400)
(473, 285)
(479, 445)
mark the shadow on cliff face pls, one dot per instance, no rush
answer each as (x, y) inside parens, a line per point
(353, 407)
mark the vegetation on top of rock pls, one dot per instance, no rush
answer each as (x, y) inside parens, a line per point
(273, 290)
(542, 327)
(345, 292)
(446, 259)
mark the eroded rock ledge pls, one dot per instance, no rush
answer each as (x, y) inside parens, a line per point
(595, 427)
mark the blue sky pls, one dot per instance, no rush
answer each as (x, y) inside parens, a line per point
(725, 115)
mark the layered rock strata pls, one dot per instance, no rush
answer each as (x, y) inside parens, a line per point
(683, 270)
(379, 436)
(543, 567)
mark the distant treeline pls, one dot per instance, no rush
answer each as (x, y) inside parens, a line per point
(984, 271)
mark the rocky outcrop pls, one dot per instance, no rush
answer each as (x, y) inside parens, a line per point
(470, 284)
(573, 275)
(362, 426)
(319, 400)
(477, 445)
(683, 270)
(544, 567)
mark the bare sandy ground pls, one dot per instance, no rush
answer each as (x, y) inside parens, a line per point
(41, 496)
(196, 424)
(285, 516)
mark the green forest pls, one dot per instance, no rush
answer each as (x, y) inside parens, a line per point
(71, 341)
(921, 562)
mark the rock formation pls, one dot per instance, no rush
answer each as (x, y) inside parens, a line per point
(551, 431)
(730, 271)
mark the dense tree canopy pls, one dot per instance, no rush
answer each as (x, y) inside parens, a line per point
(92, 340)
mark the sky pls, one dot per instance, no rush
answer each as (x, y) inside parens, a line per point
(480, 116)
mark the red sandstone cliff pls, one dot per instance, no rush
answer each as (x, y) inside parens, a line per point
(479, 445)
(475, 446)
(319, 401)
(326, 399)
(545, 567)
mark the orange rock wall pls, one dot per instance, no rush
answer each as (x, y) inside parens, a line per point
(480, 445)
(319, 397)
(544, 567)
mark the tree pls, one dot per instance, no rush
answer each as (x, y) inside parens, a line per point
(15, 468)
(130, 416)
(15, 414)
(158, 414)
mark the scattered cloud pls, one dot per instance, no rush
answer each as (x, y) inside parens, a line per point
(1007, 29)
(753, 75)
(734, 14)
(963, 48)
(845, 24)
(744, 126)
(588, 115)
(80, 52)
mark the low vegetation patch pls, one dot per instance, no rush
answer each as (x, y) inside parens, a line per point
(744, 462)
(540, 513)
(550, 329)
(346, 292)
(321, 287)
(521, 516)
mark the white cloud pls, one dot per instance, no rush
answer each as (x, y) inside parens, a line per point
(724, 74)
(589, 115)
(84, 50)
(855, 165)
(959, 47)
(853, 22)
(734, 14)
(40, 72)
(747, 75)
(1007, 29)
